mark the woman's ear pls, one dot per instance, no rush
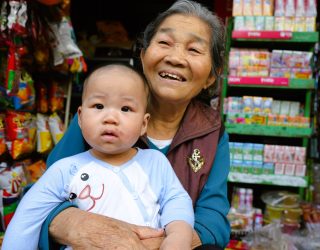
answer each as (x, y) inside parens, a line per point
(210, 81)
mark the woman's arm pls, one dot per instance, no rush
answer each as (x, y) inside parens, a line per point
(85, 230)
(212, 207)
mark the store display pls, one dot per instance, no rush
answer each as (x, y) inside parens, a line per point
(270, 61)
(39, 58)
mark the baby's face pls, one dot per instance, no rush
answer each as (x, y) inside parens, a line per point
(112, 115)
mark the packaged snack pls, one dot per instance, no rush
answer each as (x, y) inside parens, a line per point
(35, 170)
(237, 8)
(279, 8)
(299, 24)
(311, 8)
(269, 153)
(294, 108)
(56, 127)
(284, 108)
(247, 8)
(289, 8)
(269, 23)
(279, 22)
(249, 22)
(268, 7)
(266, 104)
(300, 8)
(300, 155)
(44, 141)
(3, 146)
(239, 23)
(275, 109)
(247, 104)
(257, 7)
(289, 23)
(289, 169)
(257, 104)
(310, 24)
(279, 168)
(300, 169)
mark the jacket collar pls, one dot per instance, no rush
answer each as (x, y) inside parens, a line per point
(199, 119)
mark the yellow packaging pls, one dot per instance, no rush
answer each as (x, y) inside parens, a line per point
(247, 7)
(237, 8)
(257, 7)
(279, 23)
(267, 7)
(289, 23)
(300, 24)
(310, 24)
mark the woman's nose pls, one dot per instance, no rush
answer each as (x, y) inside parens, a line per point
(176, 56)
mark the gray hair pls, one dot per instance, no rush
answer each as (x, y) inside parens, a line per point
(191, 8)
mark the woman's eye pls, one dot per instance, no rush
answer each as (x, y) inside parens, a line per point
(98, 106)
(125, 109)
(194, 50)
(163, 42)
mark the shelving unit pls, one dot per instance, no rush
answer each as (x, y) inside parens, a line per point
(269, 86)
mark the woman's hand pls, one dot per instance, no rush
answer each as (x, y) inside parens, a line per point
(84, 230)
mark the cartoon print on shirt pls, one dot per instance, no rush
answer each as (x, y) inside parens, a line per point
(85, 193)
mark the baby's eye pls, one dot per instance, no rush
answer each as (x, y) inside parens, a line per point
(98, 106)
(125, 109)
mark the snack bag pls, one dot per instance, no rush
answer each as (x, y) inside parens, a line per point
(56, 127)
(56, 97)
(44, 141)
(3, 146)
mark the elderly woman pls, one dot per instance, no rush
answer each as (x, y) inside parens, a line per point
(182, 57)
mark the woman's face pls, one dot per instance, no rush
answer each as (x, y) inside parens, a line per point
(178, 61)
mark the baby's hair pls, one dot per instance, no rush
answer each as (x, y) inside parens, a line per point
(116, 66)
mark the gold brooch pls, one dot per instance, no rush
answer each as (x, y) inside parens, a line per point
(196, 161)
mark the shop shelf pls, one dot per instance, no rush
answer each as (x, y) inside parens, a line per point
(271, 82)
(269, 179)
(275, 36)
(265, 130)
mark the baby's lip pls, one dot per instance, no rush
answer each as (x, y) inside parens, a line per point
(110, 133)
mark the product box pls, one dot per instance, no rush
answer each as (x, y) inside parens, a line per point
(289, 169)
(269, 153)
(258, 152)
(268, 168)
(279, 168)
(300, 170)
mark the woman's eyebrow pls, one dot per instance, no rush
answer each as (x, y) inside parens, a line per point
(194, 36)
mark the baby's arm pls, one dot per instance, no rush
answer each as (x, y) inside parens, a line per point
(178, 236)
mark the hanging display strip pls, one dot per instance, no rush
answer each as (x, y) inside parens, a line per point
(274, 81)
(267, 34)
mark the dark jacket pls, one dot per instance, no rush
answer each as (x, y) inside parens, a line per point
(200, 130)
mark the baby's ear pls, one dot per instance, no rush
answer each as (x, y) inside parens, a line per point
(79, 116)
(144, 125)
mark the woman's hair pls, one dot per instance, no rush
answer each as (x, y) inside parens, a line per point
(191, 8)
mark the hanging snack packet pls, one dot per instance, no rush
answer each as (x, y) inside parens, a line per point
(56, 97)
(3, 146)
(35, 170)
(42, 98)
(20, 133)
(25, 98)
(56, 127)
(44, 141)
